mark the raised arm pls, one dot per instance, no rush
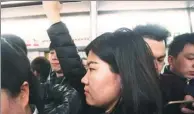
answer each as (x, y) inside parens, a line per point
(64, 46)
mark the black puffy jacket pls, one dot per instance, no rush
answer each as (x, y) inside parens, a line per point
(64, 95)
(70, 62)
(67, 54)
(61, 99)
(174, 88)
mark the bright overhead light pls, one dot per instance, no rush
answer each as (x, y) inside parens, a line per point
(15, 2)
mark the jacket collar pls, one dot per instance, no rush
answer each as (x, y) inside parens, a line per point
(168, 71)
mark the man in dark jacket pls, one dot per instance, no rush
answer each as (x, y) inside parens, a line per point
(64, 87)
(156, 37)
(178, 78)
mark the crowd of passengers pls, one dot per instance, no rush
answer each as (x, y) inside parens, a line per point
(122, 74)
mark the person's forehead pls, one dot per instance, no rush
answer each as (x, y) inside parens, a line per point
(188, 49)
(84, 60)
(51, 52)
(94, 58)
(158, 47)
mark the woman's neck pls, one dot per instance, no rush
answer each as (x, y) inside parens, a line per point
(28, 110)
(111, 107)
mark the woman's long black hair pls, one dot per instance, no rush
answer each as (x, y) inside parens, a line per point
(128, 55)
(17, 42)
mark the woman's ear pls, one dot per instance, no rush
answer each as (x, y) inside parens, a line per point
(119, 80)
(24, 94)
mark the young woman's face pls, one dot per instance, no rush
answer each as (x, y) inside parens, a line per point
(102, 86)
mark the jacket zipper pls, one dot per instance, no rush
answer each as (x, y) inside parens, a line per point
(188, 81)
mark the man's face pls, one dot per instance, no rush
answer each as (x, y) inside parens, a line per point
(54, 61)
(158, 49)
(183, 64)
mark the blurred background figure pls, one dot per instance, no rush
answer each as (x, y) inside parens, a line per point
(84, 62)
(41, 68)
(156, 37)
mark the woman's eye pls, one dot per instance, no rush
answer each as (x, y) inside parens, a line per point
(190, 58)
(91, 69)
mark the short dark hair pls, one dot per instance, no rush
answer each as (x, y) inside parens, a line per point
(42, 66)
(128, 55)
(17, 42)
(152, 31)
(15, 69)
(51, 46)
(179, 42)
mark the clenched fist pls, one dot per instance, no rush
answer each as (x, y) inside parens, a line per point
(52, 10)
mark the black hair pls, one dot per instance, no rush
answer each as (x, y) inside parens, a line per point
(128, 55)
(84, 58)
(152, 31)
(123, 29)
(179, 42)
(17, 42)
(42, 66)
(15, 69)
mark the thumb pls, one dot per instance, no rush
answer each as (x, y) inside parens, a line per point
(188, 97)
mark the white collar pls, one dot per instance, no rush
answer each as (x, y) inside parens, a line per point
(35, 111)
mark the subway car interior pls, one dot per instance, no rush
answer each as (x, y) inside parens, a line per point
(101, 74)
(88, 19)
